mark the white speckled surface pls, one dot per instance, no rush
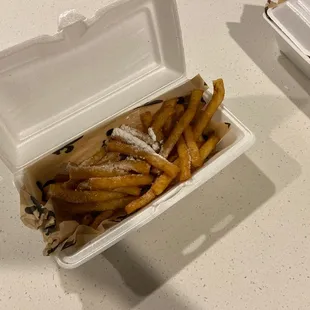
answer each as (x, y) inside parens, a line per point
(240, 242)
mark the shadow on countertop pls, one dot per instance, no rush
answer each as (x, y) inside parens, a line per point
(257, 40)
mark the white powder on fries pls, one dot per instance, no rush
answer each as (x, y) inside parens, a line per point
(132, 140)
(152, 134)
(108, 167)
(142, 136)
(135, 132)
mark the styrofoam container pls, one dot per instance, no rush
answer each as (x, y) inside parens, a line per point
(54, 89)
(293, 18)
(289, 48)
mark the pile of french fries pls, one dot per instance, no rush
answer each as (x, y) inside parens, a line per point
(135, 166)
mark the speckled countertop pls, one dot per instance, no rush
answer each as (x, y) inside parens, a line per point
(253, 217)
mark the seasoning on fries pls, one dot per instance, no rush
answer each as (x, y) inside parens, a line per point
(153, 159)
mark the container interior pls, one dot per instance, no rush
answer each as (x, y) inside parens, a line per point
(52, 89)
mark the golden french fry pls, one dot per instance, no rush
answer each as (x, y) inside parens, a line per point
(85, 172)
(115, 182)
(198, 112)
(208, 146)
(87, 219)
(142, 136)
(94, 159)
(179, 111)
(206, 116)
(138, 166)
(109, 170)
(182, 123)
(146, 120)
(165, 112)
(100, 218)
(140, 202)
(81, 208)
(185, 161)
(153, 159)
(110, 157)
(168, 125)
(163, 181)
(130, 190)
(57, 191)
(192, 147)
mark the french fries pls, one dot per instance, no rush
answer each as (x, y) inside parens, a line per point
(57, 191)
(108, 170)
(142, 136)
(205, 117)
(152, 158)
(110, 157)
(163, 181)
(116, 182)
(185, 160)
(94, 159)
(179, 110)
(192, 147)
(140, 202)
(208, 146)
(135, 166)
(85, 172)
(198, 112)
(165, 112)
(146, 120)
(182, 123)
(130, 190)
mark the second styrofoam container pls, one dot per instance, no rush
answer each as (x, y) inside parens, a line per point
(289, 48)
(293, 18)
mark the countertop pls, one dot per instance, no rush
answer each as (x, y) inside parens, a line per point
(247, 230)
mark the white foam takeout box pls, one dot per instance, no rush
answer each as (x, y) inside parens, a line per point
(291, 23)
(55, 88)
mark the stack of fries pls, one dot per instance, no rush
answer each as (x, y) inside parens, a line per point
(135, 166)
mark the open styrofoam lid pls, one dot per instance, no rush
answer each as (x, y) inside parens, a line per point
(293, 18)
(53, 88)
